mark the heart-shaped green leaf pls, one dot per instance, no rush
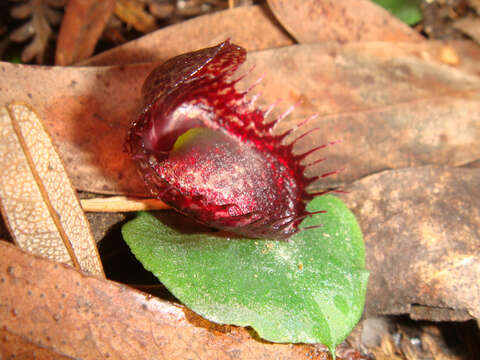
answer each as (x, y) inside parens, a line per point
(310, 289)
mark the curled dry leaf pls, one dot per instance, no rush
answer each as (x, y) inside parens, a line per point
(37, 200)
(53, 309)
(422, 230)
(42, 15)
(391, 109)
(82, 26)
(200, 32)
(310, 21)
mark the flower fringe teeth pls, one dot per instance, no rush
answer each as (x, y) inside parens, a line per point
(204, 149)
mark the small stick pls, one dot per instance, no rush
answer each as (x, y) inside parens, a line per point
(121, 204)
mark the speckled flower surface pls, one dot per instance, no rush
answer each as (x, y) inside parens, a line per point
(204, 149)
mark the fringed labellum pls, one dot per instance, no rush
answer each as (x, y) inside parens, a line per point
(203, 148)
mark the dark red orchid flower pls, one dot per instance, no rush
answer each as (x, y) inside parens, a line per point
(203, 149)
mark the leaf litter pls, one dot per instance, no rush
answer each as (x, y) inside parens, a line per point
(394, 111)
(98, 310)
(465, 55)
(82, 26)
(339, 21)
(41, 15)
(199, 32)
(421, 228)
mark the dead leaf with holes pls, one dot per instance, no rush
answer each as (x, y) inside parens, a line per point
(54, 311)
(38, 203)
(422, 233)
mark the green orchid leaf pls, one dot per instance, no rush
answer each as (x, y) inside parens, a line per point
(409, 11)
(310, 289)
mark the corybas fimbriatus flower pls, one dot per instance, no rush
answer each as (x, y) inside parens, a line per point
(205, 150)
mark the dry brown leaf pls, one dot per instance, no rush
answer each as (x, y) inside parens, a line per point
(58, 312)
(468, 54)
(203, 31)
(438, 345)
(310, 21)
(162, 10)
(469, 26)
(422, 229)
(87, 112)
(460, 54)
(82, 26)
(37, 200)
(42, 15)
(390, 110)
(132, 12)
(387, 350)
(13, 346)
(191, 8)
(475, 4)
(211, 29)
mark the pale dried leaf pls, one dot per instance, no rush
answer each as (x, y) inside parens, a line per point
(66, 313)
(36, 197)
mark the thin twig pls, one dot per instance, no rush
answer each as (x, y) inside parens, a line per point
(121, 204)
